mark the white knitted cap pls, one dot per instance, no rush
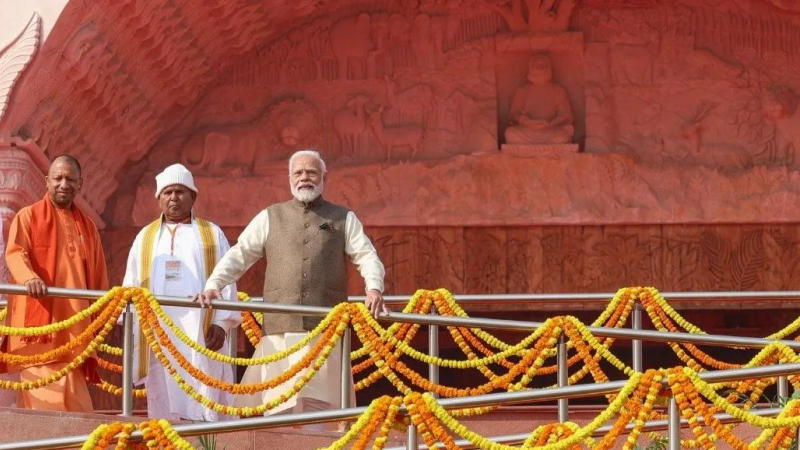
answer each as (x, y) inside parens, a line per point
(174, 174)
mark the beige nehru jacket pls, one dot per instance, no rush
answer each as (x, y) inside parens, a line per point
(305, 247)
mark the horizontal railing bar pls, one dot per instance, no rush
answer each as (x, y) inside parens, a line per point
(652, 425)
(599, 296)
(697, 295)
(590, 390)
(518, 325)
(533, 395)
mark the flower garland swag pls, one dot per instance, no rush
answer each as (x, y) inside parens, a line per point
(335, 324)
(251, 322)
(156, 433)
(581, 337)
(419, 303)
(382, 352)
(570, 327)
(437, 425)
(89, 338)
(474, 341)
(109, 307)
(635, 402)
(615, 315)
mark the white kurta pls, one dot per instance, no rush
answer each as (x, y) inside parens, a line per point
(325, 386)
(164, 398)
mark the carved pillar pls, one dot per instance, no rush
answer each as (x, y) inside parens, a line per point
(21, 183)
(22, 167)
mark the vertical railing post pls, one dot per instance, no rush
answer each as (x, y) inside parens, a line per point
(636, 344)
(433, 350)
(783, 394)
(233, 348)
(674, 424)
(411, 437)
(344, 400)
(783, 388)
(563, 403)
(127, 361)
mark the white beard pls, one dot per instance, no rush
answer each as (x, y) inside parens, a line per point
(307, 195)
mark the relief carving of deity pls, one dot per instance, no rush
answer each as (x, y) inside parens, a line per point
(540, 109)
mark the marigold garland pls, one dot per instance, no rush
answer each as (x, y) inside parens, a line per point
(105, 320)
(156, 335)
(523, 361)
(62, 325)
(154, 309)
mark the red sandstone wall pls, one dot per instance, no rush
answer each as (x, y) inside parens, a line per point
(681, 171)
(565, 259)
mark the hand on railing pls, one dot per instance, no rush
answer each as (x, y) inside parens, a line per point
(374, 303)
(36, 287)
(206, 297)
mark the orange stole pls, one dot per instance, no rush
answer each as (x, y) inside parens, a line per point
(43, 252)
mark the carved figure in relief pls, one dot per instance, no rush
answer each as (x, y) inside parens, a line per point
(540, 110)
(295, 122)
(413, 104)
(542, 15)
(395, 136)
(424, 42)
(350, 123)
(351, 43)
(242, 149)
(693, 131)
(780, 106)
(81, 54)
(377, 57)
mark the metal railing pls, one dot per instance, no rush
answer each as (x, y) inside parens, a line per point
(504, 398)
(433, 321)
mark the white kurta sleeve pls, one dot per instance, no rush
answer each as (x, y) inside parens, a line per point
(248, 249)
(362, 253)
(131, 277)
(225, 318)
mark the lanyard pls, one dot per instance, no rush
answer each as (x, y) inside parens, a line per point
(172, 232)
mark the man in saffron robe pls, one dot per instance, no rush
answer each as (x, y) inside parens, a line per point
(53, 243)
(173, 256)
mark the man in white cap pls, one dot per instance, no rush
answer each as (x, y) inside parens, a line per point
(173, 256)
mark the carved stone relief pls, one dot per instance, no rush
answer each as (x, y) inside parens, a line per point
(381, 84)
(21, 181)
(16, 56)
(692, 85)
(696, 98)
(283, 127)
(540, 93)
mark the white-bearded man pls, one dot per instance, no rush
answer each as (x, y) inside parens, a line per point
(305, 241)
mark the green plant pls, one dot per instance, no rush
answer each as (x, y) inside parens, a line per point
(208, 442)
(658, 442)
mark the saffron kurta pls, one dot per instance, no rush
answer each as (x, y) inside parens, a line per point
(177, 268)
(79, 263)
